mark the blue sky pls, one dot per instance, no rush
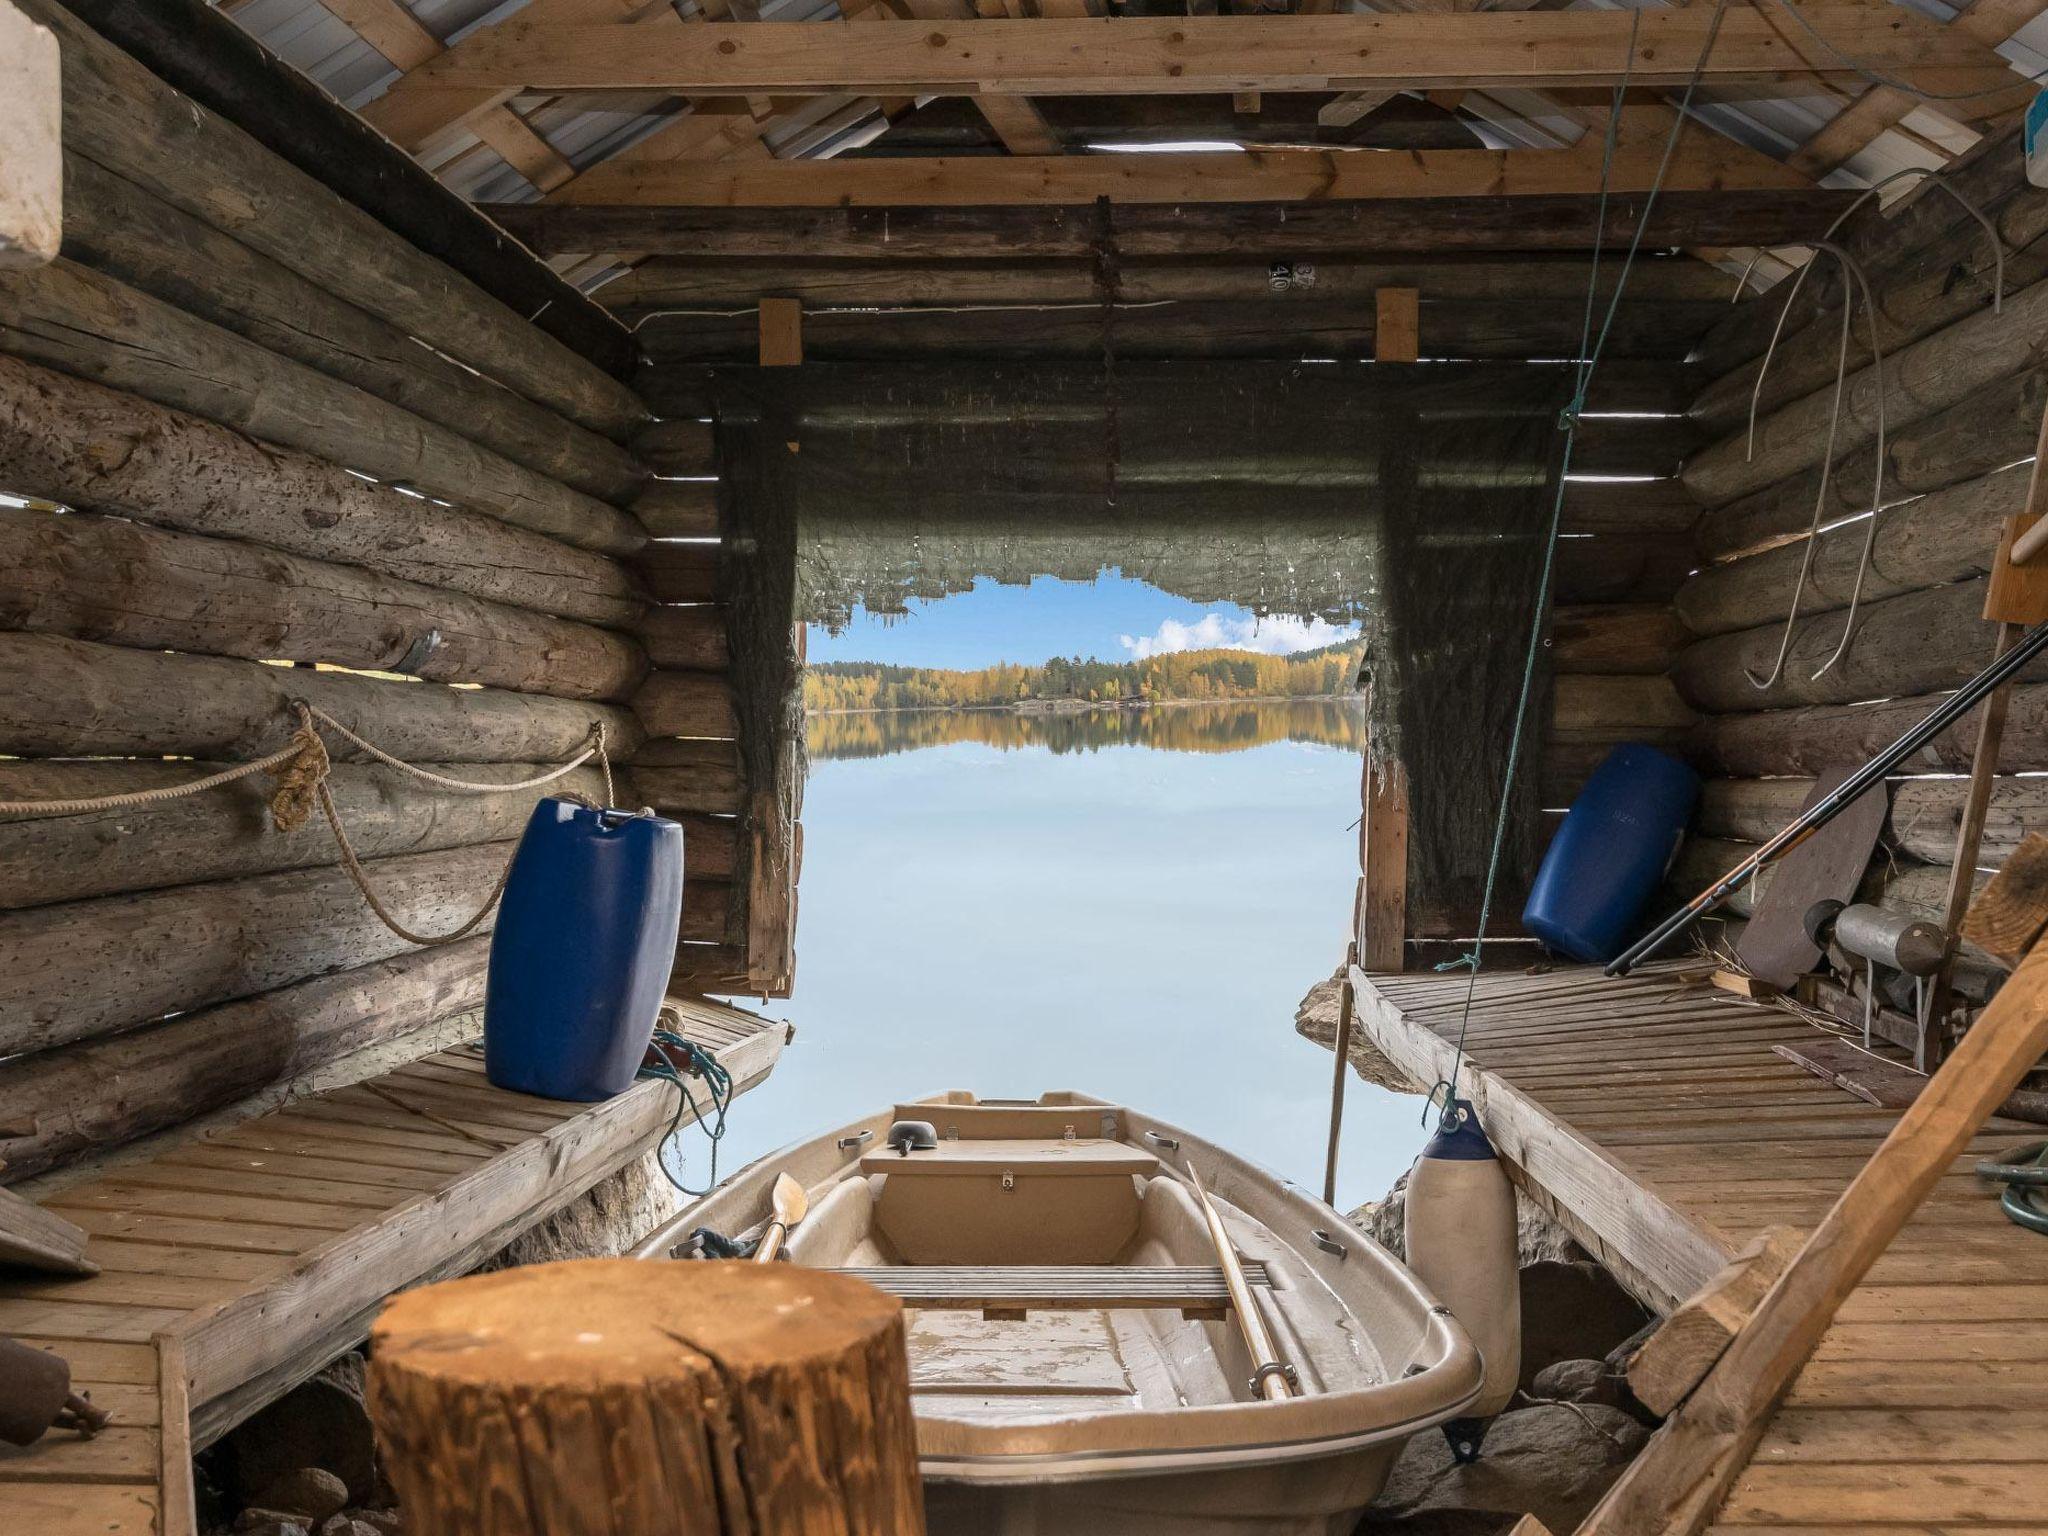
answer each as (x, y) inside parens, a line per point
(1113, 618)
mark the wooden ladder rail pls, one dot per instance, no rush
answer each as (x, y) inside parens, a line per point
(1676, 1486)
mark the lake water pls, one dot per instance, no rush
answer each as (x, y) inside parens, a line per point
(1129, 903)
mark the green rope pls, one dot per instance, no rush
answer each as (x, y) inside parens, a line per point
(663, 1053)
(1591, 349)
(2023, 1171)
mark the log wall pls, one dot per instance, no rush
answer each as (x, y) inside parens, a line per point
(1962, 395)
(232, 477)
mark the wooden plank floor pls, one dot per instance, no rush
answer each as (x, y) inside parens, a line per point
(1656, 1120)
(234, 1266)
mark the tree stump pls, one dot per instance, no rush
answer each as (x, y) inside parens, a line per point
(637, 1398)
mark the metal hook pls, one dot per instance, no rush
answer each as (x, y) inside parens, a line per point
(1778, 330)
(1827, 465)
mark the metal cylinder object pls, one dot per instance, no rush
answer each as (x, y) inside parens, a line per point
(1893, 939)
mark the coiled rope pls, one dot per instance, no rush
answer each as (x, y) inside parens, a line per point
(1590, 350)
(664, 1052)
(302, 768)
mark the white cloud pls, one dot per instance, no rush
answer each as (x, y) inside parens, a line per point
(1275, 635)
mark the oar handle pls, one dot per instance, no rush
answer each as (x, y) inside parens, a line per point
(1272, 1377)
(771, 1241)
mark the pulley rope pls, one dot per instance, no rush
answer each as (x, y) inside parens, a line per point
(1590, 351)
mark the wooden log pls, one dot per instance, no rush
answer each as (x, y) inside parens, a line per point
(1917, 642)
(1920, 379)
(1622, 568)
(67, 440)
(119, 114)
(1677, 1357)
(1987, 430)
(227, 833)
(1677, 1483)
(116, 227)
(1476, 328)
(678, 447)
(59, 1104)
(1608, 705)
(1921, 823)
(1881, 237)
(124, 583)
(686, 704)
(679, 509)
(83, 322)
(668, 282)
(1811, 740)
(732, 1417)
(1615, 638)
(2008, 917)
(71, 698)
(1918, 889)
(1628, 506)
(679, 572)
(713, 970)
(687, 638)
(704, 776)
(1950, 536)
(1946, 279)
(1439, 225)
(81, 969)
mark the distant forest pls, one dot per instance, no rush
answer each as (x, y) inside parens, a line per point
(1214, 674)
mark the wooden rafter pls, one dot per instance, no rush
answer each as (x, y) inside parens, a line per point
(1702, 163)
(1222, 54)
(1857, 125)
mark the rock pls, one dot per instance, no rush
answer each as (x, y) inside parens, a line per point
(1553, 1461)
(269, 1522)
(1316, 1019)
(607, 1220)
(1538, 1238)
(385, 1522)
(311, 1494)
(319, 1423)
(1572, 1312)
(347, 1525)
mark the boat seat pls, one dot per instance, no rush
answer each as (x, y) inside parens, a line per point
(1012, 1291)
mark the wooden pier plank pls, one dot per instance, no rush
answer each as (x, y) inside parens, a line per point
(233, 1266)
(1656, 1118)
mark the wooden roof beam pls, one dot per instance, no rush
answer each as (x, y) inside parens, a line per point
(1702, 162)
(1221, 54)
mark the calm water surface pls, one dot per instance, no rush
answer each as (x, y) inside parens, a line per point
(1129, 903)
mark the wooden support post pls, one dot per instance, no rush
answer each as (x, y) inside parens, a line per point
(1346, 1009)
(2015, 597)
(1383, 853)
(782, 333)
(616, 1394)
(31, 164)
(1397, 336)
(1675, 1487)
(1677, 1357)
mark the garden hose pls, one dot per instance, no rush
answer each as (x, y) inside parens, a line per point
(2023, 1170)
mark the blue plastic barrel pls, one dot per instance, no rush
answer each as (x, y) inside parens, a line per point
(580, 959)
(1611, 853)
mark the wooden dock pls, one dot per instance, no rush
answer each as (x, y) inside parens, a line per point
(1654, 1119)
(234, 1266)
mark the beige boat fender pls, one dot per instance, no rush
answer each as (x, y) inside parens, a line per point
(1460, 1234)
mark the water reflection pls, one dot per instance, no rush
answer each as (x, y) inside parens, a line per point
(1214, 726)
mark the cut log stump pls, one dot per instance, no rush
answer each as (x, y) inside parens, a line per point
(648, 1399)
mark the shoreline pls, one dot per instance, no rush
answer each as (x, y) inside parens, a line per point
(1084, 706)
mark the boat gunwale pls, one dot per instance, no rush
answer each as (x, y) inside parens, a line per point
(1187, 1437)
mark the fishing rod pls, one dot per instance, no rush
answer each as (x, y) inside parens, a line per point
(1837, 800)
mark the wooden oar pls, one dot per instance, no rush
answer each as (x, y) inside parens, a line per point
(1275, 1383)
(791, 1204)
